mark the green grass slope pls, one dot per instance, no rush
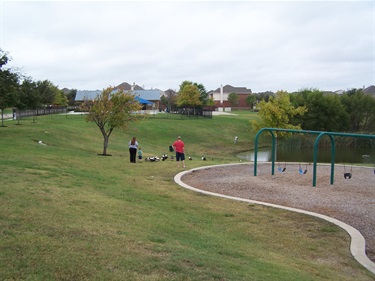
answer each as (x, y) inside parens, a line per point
(68, 214)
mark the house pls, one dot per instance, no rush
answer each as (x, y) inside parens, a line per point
(149, 95)
(127, 87)
(220, 96)
(370, 90)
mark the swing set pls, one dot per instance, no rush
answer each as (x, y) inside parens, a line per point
(320, 134)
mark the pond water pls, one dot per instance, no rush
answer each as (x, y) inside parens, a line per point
(342, 155)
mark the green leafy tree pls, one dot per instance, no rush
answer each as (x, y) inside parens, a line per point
(250, 99)
(71, 96)
(233, 99)
(9, 82)
(211, 102)
(203, 97)
(47, 92)
(277, 113)
(28, 97)
(111, 110)
(265, 95)
(60, 99)
(188, 96)
(325, 112)
(361, 110)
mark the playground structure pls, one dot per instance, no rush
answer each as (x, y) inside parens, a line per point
(319, 134)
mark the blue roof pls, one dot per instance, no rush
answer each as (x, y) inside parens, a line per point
(148, 94)
(142, 101)
(144, 94)
(87, 95)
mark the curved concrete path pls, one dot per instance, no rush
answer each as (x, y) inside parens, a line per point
(357, 245)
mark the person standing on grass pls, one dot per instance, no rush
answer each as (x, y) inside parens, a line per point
(179, 147)
(133, 146)
(140, 154)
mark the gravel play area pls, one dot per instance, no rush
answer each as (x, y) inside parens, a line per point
(351, 201)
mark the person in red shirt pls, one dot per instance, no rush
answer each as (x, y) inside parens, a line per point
(179, 147)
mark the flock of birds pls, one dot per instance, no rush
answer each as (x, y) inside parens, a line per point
(165, 157)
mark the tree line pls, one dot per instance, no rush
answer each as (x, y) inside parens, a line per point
(315, 110)
(22, 92)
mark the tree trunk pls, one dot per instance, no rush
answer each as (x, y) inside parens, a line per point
(105, 144)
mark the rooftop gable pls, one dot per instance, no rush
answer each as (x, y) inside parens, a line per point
(231, 89)
(370, 90)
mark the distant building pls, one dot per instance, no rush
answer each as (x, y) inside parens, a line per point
(370, 90)
(150, 95)
(220, 96)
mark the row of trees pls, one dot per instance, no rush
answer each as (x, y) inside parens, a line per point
(312, 109)
(22, 92)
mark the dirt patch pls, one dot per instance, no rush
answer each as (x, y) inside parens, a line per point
(349, 200)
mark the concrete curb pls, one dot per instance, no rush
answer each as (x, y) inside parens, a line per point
(357, 244)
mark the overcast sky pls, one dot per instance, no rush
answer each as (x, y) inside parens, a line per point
(261, 45)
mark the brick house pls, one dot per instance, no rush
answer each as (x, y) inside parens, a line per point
(220, 96)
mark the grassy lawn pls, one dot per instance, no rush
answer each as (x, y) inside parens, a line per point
(68, 214)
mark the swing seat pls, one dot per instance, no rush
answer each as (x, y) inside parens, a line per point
(347, 176)
(302, 172)
(281, 170)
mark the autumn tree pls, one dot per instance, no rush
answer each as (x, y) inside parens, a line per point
(188, 96)
(203, 95)
(109, 110)
(277, 113)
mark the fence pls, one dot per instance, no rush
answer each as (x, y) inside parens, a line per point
(17, 114)
(185, 114)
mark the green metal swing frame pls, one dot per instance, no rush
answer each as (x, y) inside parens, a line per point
(319, 134)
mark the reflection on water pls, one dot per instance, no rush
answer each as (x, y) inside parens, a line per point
(342, 155)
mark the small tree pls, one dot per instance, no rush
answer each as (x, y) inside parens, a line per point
(203, 95)
(111, 110)
(250, 99)
(277, 112)
(189, 96)
(60, 99)
(233, 99)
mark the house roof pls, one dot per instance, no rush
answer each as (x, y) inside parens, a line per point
(87, 95)
(148, 94)
(143, 94)
(231, 89)
(169, 92)
(370, 90)
(127, 87)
